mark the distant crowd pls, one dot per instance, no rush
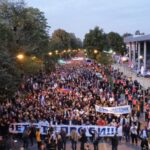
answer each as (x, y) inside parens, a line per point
(68, 96)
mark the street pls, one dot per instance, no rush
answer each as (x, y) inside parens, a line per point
(102, 146)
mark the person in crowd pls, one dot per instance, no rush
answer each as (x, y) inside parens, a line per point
(32, 134)
(74, 139)
(83, 139)
(59, 141)
(144, 133)
(134, 134)
(69, 95)
(38, 138)
(51, 141)
(25, 137)
(126, 131)
(114, 142)
(64, 138)
(96, 140)
(43, 146)
(144, 144)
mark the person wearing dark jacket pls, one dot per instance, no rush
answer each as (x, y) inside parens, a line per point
(127, 132)
(83, 139)
(64, 138)
(32, 134)
(144, 144)
(114, 142)
(95, 141)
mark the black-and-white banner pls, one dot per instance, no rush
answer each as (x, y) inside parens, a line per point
(103, 131)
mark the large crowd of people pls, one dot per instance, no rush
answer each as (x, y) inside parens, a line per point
(69, 95)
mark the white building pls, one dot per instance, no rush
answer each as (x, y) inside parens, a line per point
(138, 47)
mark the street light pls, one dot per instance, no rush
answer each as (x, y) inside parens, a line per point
(56, 51)
(69, 50)
(124, 59)
(33, 57)
(95, 51)
(140, 57)
(50, 53)
(20, 56)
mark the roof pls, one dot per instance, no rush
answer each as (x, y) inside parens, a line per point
(137, 38)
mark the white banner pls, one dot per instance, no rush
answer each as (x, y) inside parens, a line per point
(103, 131)
(114, 110)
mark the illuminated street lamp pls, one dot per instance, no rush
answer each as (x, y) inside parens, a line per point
(33, 57)
(56, 51)
(50, 53)
(95, 51)
(20, 56)
(140, 57)
(124, 59)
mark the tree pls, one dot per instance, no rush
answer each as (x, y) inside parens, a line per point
(9, 75)
(22, 29)
(61, 40)
(115, 42)
(28, 27)
(95, 39)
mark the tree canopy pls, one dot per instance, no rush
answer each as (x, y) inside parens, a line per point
(61, 40)
(115, 42)
(22, 30)
(27, 26)
(97, 39)
(94, 39)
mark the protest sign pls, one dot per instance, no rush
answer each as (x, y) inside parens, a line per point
(114, 110)
(103, 131)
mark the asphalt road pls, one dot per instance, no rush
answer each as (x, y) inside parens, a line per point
(102, 146)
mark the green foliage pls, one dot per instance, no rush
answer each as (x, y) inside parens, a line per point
(115, 42)
(61, 40)
(9, 75)
(95, 39)
(105, 59)
(27, 26)
(30, 65)
(22, 30)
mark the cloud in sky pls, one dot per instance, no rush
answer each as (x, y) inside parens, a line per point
(79, 16)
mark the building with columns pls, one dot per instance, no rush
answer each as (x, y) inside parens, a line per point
(139, 51)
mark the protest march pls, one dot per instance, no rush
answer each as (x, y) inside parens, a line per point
(77, 99)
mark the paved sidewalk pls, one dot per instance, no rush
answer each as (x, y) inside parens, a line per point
(145, 82)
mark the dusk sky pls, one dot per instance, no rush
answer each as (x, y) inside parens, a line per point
(79, 16)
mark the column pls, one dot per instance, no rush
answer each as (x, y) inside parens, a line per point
(134, 49)
(144, 58)
(139, 53)
(130, 46)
